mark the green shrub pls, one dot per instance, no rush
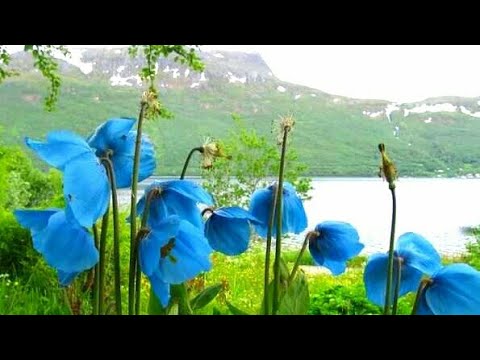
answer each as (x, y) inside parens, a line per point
(16, 252)
(24, 186)
(253, 158)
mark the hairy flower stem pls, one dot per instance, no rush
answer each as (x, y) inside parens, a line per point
(180, 294)
(300, 254)
(96, 281)
(268, 251)
(397, 286)
(278, 215)
(133, 212)
(386, 310)
(116, 235)
(138, 277)
(421, 288)
(101, 270)
(187, 161)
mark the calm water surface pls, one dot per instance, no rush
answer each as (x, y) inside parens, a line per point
(436, 208)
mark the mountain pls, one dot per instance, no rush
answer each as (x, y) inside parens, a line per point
(334, 135)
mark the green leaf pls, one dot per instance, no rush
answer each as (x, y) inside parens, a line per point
(284, 273)
(234, 310)
(173, 310)
(296, 300)
(215, 311)
(205, 297)
(154, 306)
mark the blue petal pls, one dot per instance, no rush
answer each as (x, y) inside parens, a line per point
(108, 133)
(423, 308)
(160, 288)
(375, 278)
(228, 235)
(150, 246)
(66, 278)
(294, 219)
(60, 148)
(260, 207)
(338, 241)
(122, 159)
(188, 257)
(418, 253)
(185, 208)
(236, 212)
(36, 221)
(188, 189)
(455, 291)
(336, 267)
(67, 246)
(86, 189)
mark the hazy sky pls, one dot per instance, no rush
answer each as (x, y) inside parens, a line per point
(401, 73)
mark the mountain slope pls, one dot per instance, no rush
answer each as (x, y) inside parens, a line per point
(334, 135)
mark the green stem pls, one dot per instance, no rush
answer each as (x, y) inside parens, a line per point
(397, 286)
(180, 293)
(96, 271)
(268, 250)
(138, 277)
(421, 289)
(116, 235)
(133, 212)
(300, 254)
(386, 310)
(278, 212)
(187, 161)
(101, 270)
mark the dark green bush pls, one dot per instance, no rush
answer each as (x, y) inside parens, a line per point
(16, 252)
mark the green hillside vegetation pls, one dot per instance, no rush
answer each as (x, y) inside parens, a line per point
(332, 138)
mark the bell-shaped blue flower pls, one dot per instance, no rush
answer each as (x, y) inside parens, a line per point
(173, 251)
(175, 197)
(417, 257)
(294, 219)
(63, 242)
(116, 139)
(333, 243)
(85, 182)
(228, 230)
(452, 290)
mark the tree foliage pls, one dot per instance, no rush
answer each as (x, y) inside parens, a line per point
(253, 159)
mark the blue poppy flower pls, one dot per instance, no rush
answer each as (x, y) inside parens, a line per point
(63, 242)
(294, 219)
(116, 139)
(85, 182)
(417, 256)
(333, 243)
(452, 290)
(175, 197)
(228, 230)
(172, 252)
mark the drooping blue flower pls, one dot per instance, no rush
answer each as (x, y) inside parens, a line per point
(336, 243)
(452, 290)
(294, 219)
(63, 242)
(228, 230)
(417, 256)
(175, 197)
(172, 252)
(116, 138)
(85, 182)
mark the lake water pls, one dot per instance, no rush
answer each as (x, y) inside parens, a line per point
(436, 208)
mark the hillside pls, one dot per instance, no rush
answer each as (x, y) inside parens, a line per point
(334, 135)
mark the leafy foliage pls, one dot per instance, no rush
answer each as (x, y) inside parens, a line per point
(148, 73)
(252, 159)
